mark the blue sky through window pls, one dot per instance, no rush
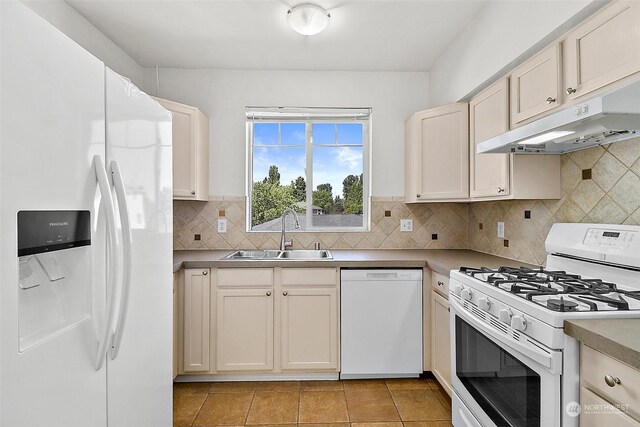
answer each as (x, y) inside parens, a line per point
(330, 164)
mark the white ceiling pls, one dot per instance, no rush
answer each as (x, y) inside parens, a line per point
(363, 35)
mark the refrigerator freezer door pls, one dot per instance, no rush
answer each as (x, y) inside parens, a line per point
(52, 124)
(140, 371)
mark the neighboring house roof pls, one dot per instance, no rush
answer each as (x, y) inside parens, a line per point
(322, 221)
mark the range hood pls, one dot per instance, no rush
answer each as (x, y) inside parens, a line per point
(600, 120)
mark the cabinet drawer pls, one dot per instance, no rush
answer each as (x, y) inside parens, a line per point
(308, 276)
(245, 277)
(440, 284)
(594, 366)
(596, 412)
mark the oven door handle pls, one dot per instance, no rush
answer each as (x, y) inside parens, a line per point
(550, 360)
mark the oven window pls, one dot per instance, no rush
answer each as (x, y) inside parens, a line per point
(507, 390)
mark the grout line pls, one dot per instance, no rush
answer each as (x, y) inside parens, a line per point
(246, 418)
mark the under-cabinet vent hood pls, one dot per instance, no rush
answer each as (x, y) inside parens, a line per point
(600, 120)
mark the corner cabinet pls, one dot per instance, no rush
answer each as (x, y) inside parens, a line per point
(603, 49)
(437, 154)
(506, 176)
(190, 131)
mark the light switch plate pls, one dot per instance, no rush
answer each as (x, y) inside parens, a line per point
(501, 230)
(222, 225)
(406, 225)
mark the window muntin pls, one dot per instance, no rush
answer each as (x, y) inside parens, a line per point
(317, 165)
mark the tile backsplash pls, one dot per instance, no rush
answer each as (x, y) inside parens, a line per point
(600, 185)
(446, 220)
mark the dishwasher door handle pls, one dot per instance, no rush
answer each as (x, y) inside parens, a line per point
(382, 275)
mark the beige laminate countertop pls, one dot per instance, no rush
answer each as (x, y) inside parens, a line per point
(618, 338)
(439, 260)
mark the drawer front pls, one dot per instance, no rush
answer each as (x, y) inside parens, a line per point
(594, 366)
(309, 276)
(245, 277)
(440, 284)
(597, 412)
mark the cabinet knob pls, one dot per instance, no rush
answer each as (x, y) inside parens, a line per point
(440, 283)
(268, 293)
(500, 190)
(205, 272)
(570, 90)
(193, 193)
(611, 380)
(550, 100)
(418, 196)
(285, 293)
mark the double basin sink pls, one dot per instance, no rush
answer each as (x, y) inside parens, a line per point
(275, 254)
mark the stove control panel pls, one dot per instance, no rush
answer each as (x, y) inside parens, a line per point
(610, 239)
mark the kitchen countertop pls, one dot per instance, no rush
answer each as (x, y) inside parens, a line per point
(618, 338)
(439, 260)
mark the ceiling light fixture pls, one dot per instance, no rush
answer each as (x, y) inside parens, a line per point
(308, 19)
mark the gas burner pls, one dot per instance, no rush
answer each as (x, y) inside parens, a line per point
(561, 304)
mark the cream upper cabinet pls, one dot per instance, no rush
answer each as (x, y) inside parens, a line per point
(489, 117)
(190, 151)
(196, 320)
(603, 49)
(244, 329)
(536, 85)
(437, 154)
(309, 319)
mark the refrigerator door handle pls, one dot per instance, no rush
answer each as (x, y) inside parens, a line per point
(121, 197)
(106, 202)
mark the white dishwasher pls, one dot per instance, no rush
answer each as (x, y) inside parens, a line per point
(381, 323)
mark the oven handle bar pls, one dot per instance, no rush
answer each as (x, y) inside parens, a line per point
(550, 360)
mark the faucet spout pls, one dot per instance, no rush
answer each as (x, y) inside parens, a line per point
(284, 243)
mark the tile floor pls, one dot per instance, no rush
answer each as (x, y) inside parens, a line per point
(353, 403)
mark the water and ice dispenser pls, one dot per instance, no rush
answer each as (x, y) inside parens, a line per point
(55, 279)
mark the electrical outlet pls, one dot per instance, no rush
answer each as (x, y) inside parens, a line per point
(406, 225)
(501, 230)
(222, 225)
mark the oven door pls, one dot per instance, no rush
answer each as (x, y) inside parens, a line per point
(496, 380)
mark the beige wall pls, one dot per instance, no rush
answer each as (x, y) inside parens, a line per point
(612, 195)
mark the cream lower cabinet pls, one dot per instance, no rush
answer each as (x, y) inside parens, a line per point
(440, 332)
(197, 302)
(608, 391)
(176, 324)
(244, 325)
(309, 319)
(603, 49)
(276, 320)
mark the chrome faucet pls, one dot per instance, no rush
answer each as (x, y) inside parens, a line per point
(283, 241)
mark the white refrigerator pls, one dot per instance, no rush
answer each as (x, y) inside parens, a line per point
(85, 237)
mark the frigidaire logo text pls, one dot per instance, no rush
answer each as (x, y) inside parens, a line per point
(58, 224)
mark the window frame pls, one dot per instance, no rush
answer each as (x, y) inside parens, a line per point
(309, 116)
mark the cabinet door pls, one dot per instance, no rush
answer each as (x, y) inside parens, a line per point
(440, 341)
(196, 320)
(443, 171)
(489, 117)
(536, 85)
(244, 329)
(176, 283)
(604, 49)
(309, 328)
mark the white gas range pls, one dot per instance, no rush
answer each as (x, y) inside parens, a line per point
(512, 364)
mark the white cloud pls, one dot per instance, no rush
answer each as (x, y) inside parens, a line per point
(350, 158)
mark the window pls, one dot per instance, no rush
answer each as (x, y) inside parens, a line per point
(312, 160)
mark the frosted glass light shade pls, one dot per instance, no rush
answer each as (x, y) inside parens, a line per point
(308, 19)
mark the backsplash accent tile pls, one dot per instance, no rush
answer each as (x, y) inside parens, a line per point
(611, 195)
(449, 221)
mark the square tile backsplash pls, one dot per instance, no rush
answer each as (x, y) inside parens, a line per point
(600, 185)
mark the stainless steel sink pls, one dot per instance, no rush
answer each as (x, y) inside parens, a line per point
(303, 254)
(275, 254)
